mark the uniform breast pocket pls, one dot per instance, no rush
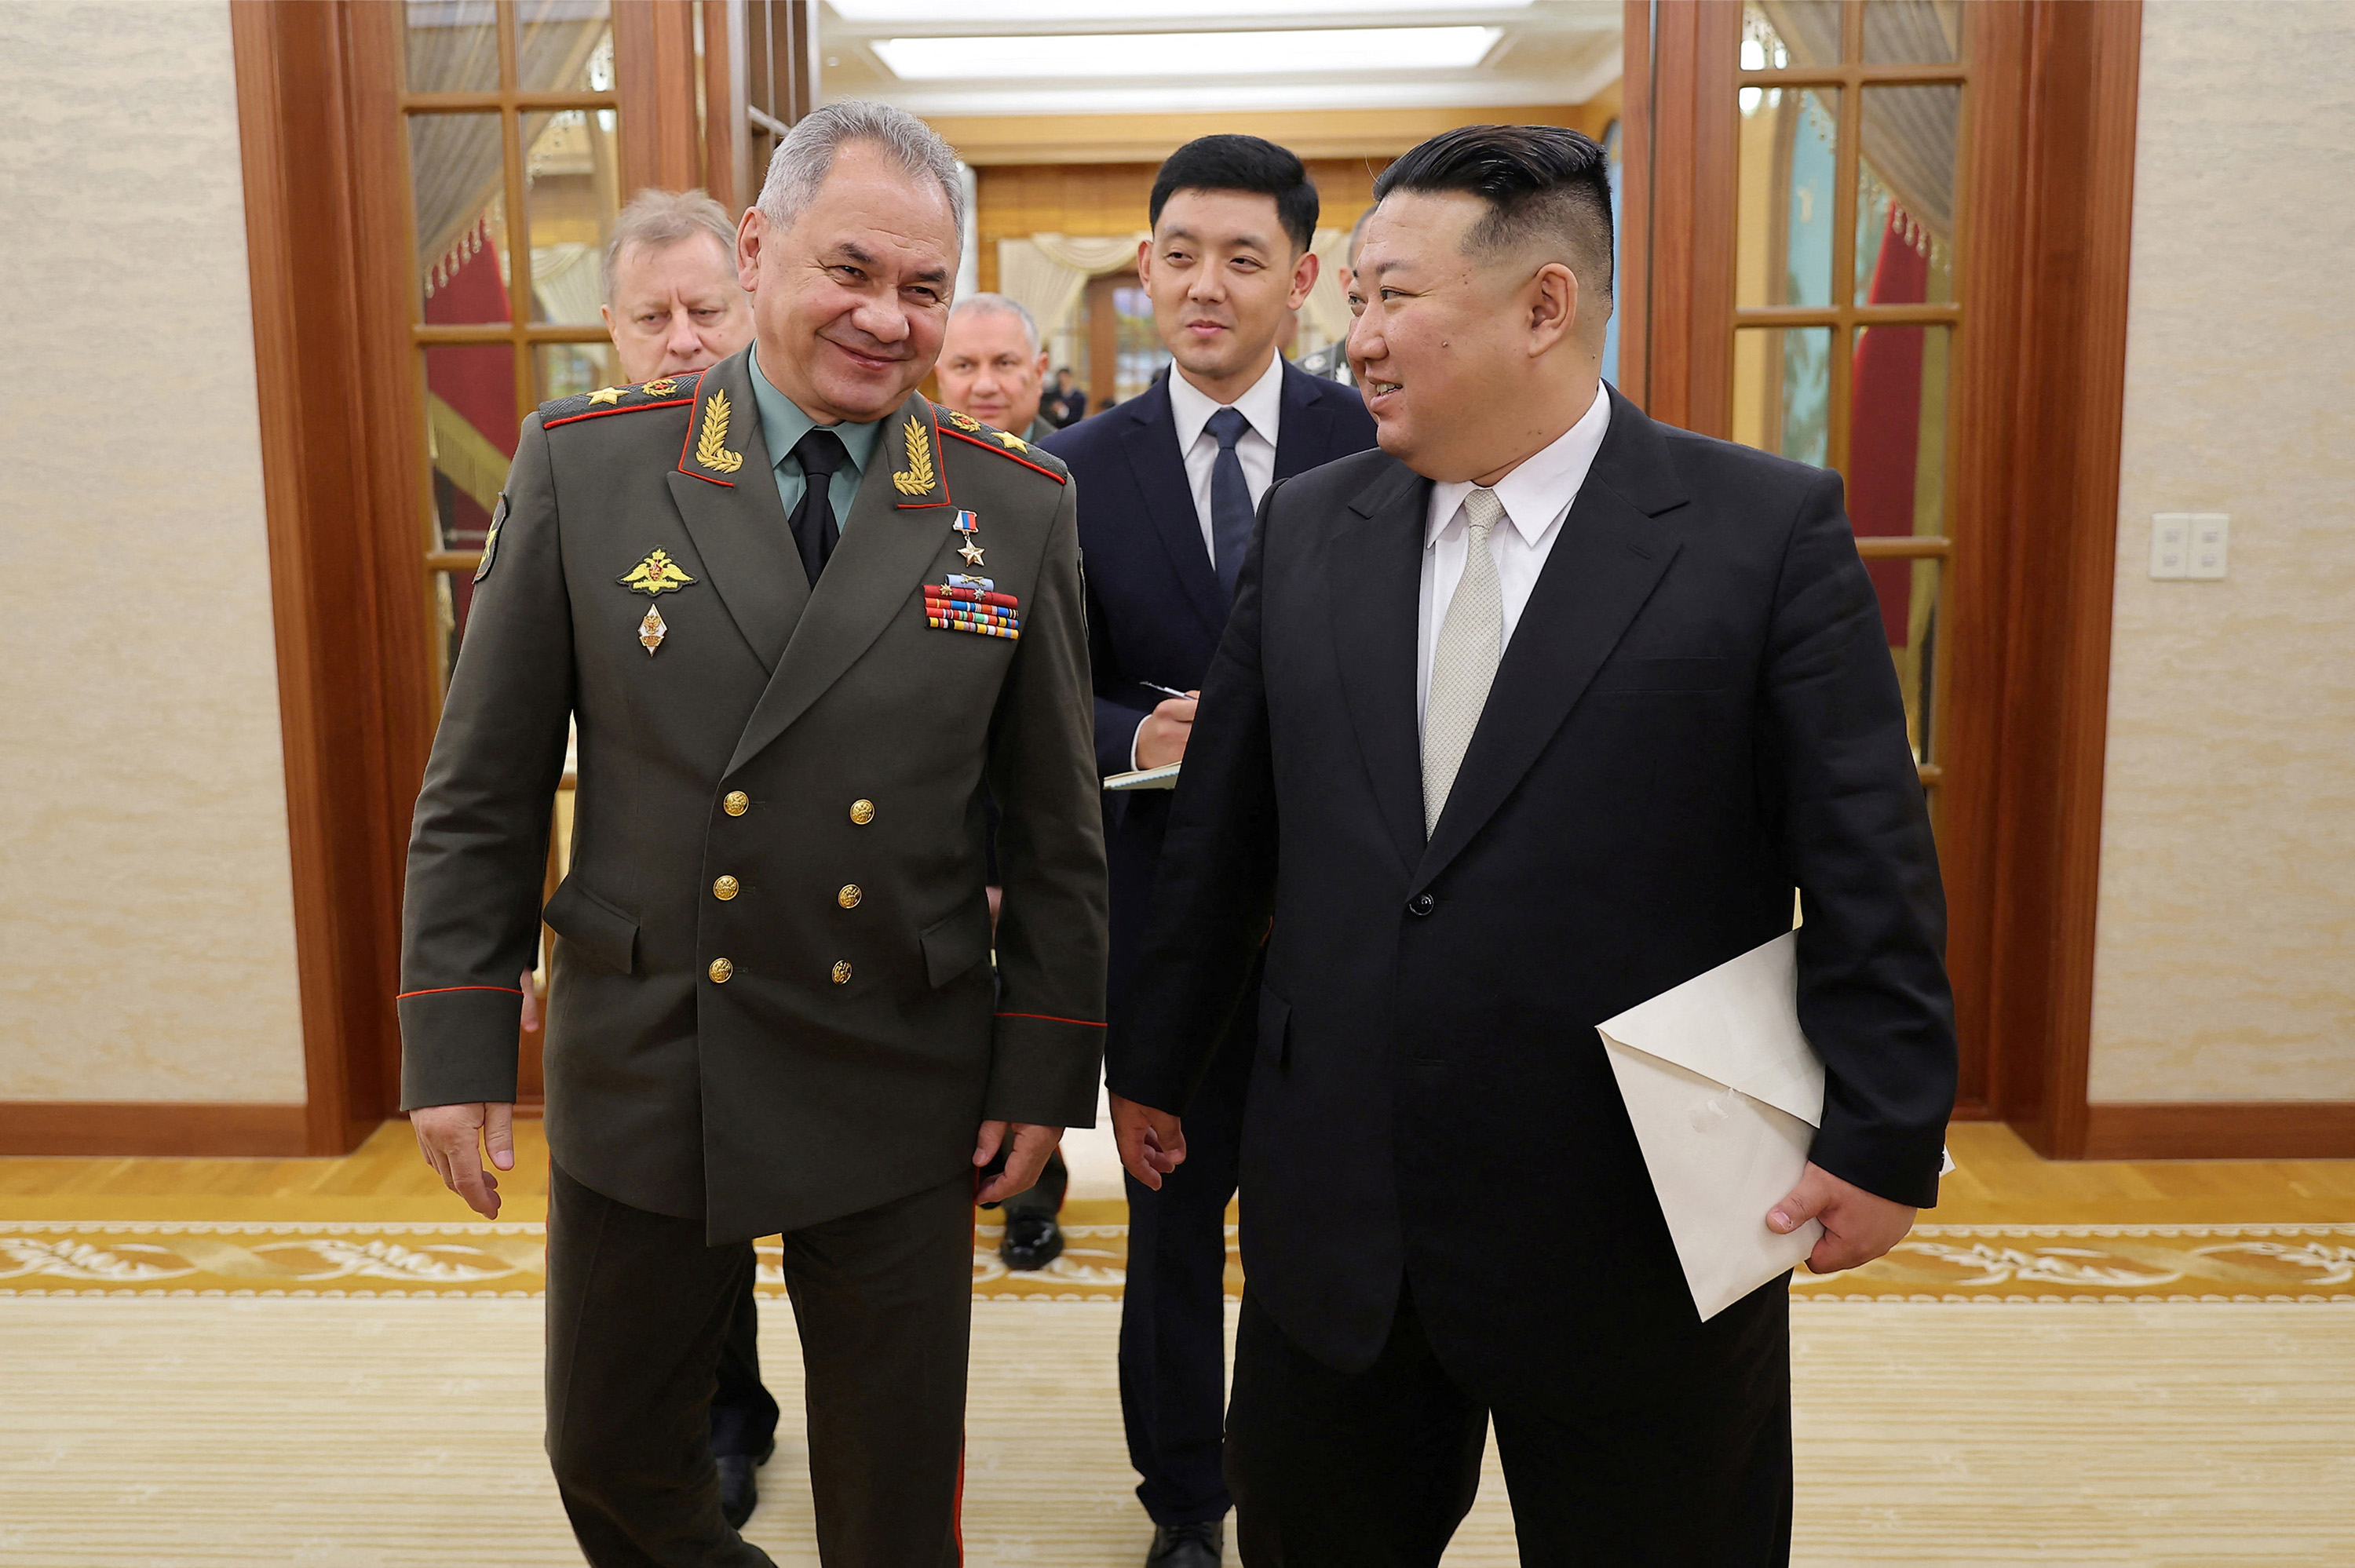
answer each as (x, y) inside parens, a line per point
(1636, 677)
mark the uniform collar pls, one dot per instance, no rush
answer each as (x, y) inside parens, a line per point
(1261, 404)
(783, 423)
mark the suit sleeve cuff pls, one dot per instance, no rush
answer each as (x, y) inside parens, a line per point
(1044, 1070)
(459, 1046)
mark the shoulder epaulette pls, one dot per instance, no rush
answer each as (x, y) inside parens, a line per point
(1013, 447)
(662, 392)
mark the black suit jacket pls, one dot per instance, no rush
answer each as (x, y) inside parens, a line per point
(1696, 713)
(1154, 605)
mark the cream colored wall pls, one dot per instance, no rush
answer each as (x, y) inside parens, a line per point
(2225, 960)
(146, 924)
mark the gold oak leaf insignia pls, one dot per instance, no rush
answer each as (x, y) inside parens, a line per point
(710, 448)
(661, 387)
(963, 421)
(919, 478)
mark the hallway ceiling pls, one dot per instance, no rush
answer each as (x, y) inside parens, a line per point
(1088, 57)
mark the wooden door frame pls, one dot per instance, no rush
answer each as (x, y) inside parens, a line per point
(328, 234)
(2040, 382)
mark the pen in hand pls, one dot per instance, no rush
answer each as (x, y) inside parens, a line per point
(1165, 691)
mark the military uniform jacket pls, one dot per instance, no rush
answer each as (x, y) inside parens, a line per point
(773, 1001)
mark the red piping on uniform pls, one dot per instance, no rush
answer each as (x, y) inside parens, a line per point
(1049, 1017)
(437, 990)
(601, 413)
(1008, 453)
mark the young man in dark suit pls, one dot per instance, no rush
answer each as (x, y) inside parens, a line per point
(1167, 484)
(1535, 714)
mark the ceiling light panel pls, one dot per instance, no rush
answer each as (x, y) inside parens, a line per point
(1066, 55)
(919, 13)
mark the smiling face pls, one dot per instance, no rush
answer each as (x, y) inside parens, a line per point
(1469, 363)
(677, 308)
(850, 302)
(1224, 283)
(989, 370)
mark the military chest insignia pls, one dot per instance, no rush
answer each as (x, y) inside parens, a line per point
(491, 539)
(655, 574)
(651, 631)
(972, 604)
(711, 446)
(968, 527)
(920, 476)
(660, 386)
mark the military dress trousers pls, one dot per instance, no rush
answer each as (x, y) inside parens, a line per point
(773, 1002)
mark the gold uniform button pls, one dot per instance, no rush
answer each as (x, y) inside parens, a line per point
(736, 803)
(842, 972)
(850, 896)
(726, 888)
(721, 969)
(862, 811)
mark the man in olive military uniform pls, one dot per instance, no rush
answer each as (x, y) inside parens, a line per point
(801, 617)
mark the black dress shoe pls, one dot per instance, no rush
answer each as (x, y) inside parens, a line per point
(1188, 1545)
(1033, 1240)
(740, 1490)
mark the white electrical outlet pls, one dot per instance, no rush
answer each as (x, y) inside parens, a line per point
(2171, 544)
(2210, 537)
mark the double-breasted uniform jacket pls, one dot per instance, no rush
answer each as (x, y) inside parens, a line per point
(772, 1001)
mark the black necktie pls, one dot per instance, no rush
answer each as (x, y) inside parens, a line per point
(1230, 502)
(820, 452)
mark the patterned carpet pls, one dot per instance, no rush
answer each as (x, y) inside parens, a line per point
(2012, 1264)
(236, 1430)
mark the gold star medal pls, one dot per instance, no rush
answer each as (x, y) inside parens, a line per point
(968, 527)
(606, 395)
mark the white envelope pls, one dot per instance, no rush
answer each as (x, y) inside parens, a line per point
(1725, 1095)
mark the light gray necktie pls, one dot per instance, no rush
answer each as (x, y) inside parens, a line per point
(1471, 641)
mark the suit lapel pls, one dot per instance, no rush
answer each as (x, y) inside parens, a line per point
(726, 490)
(1304, 432)
(897, 525)
(1374, 577)
(1150, 442)
(1605, 564)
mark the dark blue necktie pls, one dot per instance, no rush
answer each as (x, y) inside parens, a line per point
(1230, 502)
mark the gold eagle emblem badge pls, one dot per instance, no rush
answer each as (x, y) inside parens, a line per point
(711, 446)
(655, 574)
(919, 478)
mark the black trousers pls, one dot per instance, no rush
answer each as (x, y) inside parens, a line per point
(637, 1309)
(743, 1411)
(1173, 1310)
(1375, 1469)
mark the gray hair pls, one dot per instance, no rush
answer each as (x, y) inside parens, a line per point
(999, 305)
(805, 156)
(659, 220)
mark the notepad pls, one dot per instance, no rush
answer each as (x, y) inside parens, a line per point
(1146, 778)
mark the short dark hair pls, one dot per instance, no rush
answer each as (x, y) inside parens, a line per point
(1543, 184)
(1246, 163)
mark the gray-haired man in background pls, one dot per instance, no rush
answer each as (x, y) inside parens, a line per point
(775, 1010)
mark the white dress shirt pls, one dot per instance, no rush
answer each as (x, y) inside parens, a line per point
(1537, 496)
(1191, 406)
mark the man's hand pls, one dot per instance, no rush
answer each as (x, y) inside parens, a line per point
(448, 1135)
(530, 1005)
(1161, 738)
(1858, 1227)
(1032, 1144)
(1152, 1142)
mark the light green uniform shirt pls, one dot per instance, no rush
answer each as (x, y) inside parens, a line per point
(783, 423)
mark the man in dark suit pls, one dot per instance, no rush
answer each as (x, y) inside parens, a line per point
(1538, 711)
(1167, 484)
(774, 1009)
